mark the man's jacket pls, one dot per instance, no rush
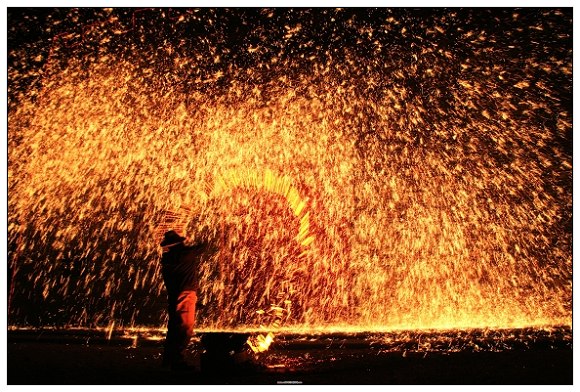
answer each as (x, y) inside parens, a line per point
(179, 267)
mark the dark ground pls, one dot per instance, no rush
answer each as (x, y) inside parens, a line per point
(40, 358)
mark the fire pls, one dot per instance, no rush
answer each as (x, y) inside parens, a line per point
(261, 342)
(360, 172)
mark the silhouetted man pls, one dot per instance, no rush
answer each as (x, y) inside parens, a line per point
(180, 266)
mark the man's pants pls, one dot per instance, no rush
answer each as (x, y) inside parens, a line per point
(179, 327)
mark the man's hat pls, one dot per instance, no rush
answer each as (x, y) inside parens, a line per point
(171, 238)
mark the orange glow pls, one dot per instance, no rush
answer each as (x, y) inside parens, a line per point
(261, 342)
(347, 210)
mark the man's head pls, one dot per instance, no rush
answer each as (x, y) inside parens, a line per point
(171, 238)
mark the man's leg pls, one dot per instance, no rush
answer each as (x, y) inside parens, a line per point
(184, 323)
(171, 338)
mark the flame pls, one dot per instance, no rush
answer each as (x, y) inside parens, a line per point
(261, 342)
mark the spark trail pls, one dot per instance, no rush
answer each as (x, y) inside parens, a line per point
(356, 169)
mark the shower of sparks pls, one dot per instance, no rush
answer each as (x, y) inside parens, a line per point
(361, 169)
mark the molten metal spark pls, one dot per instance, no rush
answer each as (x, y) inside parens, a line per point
(377, 168)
